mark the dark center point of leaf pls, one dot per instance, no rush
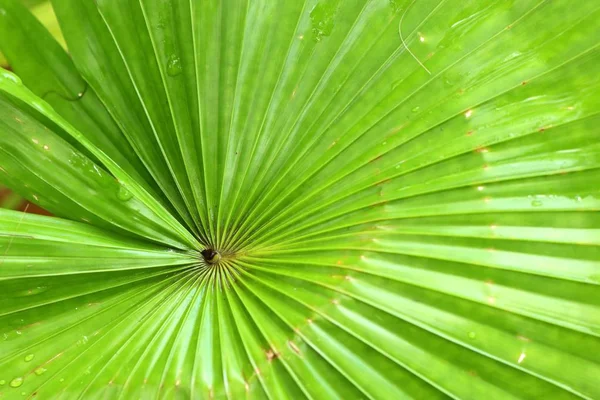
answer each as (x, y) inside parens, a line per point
(211, 256)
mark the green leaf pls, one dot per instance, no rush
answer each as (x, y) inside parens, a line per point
(48, 71)
(379, 199)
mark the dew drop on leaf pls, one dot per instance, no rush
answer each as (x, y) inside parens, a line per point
(123, 194)
(536, 203)
(29, 357)
(2, 382)
(39, 371)
(174, 65)
(16, 382)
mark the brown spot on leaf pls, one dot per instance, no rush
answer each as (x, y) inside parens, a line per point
(271, 355)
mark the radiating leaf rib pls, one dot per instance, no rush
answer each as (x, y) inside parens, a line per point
(66, 340)
(242, 162)
(234, 14)
(292, 209)
(26, 293)
(270, 330)
(87, 180)
(147, 365)
(309, 294)
(172, 49)
(112, 335)
(110, 368)
(151, 96)
(123, 100)
(293, 319)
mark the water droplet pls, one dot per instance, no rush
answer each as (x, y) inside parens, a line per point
(2, 382)
(416, 109)
(472, 335)
(174, 65)
(61, 380)
(536, 203)
(123, 194)
(39, 371)
(321, 18)
(79, 160)
(29, 357)
(16, 382)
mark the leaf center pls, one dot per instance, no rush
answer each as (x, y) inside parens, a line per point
(211, 256)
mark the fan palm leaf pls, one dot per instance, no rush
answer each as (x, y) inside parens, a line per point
(302, 199)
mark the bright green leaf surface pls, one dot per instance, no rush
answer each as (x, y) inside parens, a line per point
(403, 195)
